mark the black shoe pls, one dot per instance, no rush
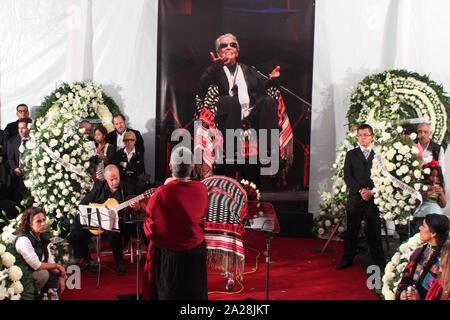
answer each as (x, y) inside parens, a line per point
(344, 264)
(121, 269)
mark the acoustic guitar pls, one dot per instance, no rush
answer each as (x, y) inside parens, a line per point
(113, 204)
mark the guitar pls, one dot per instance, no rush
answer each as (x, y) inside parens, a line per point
(113, 204)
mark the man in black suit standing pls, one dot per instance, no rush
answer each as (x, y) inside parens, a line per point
(15, 150)
(360, 204)
(116, 137)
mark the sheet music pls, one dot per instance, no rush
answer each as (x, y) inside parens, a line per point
(262, 224)
(89, 216)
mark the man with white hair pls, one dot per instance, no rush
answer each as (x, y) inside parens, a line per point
(240, 91)
(176, 256)
(110, 188)
(431, 150)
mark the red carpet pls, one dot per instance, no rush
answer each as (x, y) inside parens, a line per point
(297, 272)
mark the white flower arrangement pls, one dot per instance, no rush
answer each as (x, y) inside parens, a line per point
(401, 170)
(332, 208)
(57, 159)
(10, 275)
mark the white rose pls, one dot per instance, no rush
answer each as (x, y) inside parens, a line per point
(15, 273)
(390, 154)
(53, 143)
(321, 230)
(427, 171)
(17, 286)
(417, 173)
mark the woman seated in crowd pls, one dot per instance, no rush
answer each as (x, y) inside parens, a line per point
(423, 266)
(105, 153)
(440, 290)
(129, 160)
(32, 245)
(434, 198)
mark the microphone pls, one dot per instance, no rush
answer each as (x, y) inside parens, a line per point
(285, 89)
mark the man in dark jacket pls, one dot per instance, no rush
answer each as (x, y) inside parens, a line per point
(22, 112)
(116, 137)
(431, 150)
(111, 188)
(360, 204)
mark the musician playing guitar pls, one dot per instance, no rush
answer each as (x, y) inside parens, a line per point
(103, 192)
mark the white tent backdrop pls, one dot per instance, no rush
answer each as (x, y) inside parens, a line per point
(114, 42)
(45, 43)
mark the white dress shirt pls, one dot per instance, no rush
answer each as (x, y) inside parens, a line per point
(26, 250)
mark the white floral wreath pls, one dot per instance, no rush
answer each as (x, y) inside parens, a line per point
(57, 157)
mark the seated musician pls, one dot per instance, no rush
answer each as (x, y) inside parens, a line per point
(112, 187)
(176, 258)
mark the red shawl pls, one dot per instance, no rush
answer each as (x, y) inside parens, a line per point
(174, 221)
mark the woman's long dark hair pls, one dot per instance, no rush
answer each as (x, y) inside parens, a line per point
(27, 218)
(437, 223)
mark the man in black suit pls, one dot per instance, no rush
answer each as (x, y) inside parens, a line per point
(360, 204)
(15, 150)
(22, 112)
(116, 137)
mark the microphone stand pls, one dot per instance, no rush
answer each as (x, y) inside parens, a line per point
(285, 89)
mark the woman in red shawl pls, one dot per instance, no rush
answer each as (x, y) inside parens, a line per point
(176, 259)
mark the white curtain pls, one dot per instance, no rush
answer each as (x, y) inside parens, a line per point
(113, 42)
(354, 38)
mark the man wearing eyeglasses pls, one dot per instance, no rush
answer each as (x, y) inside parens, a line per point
(242, 99)
(360, 204)
(22, 112)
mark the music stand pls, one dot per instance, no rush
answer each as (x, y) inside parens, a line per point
(265, 221)
(133, 218)
(100, 219)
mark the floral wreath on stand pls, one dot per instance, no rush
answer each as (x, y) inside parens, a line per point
(253, 198)
(385, 101)
(57, 158)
